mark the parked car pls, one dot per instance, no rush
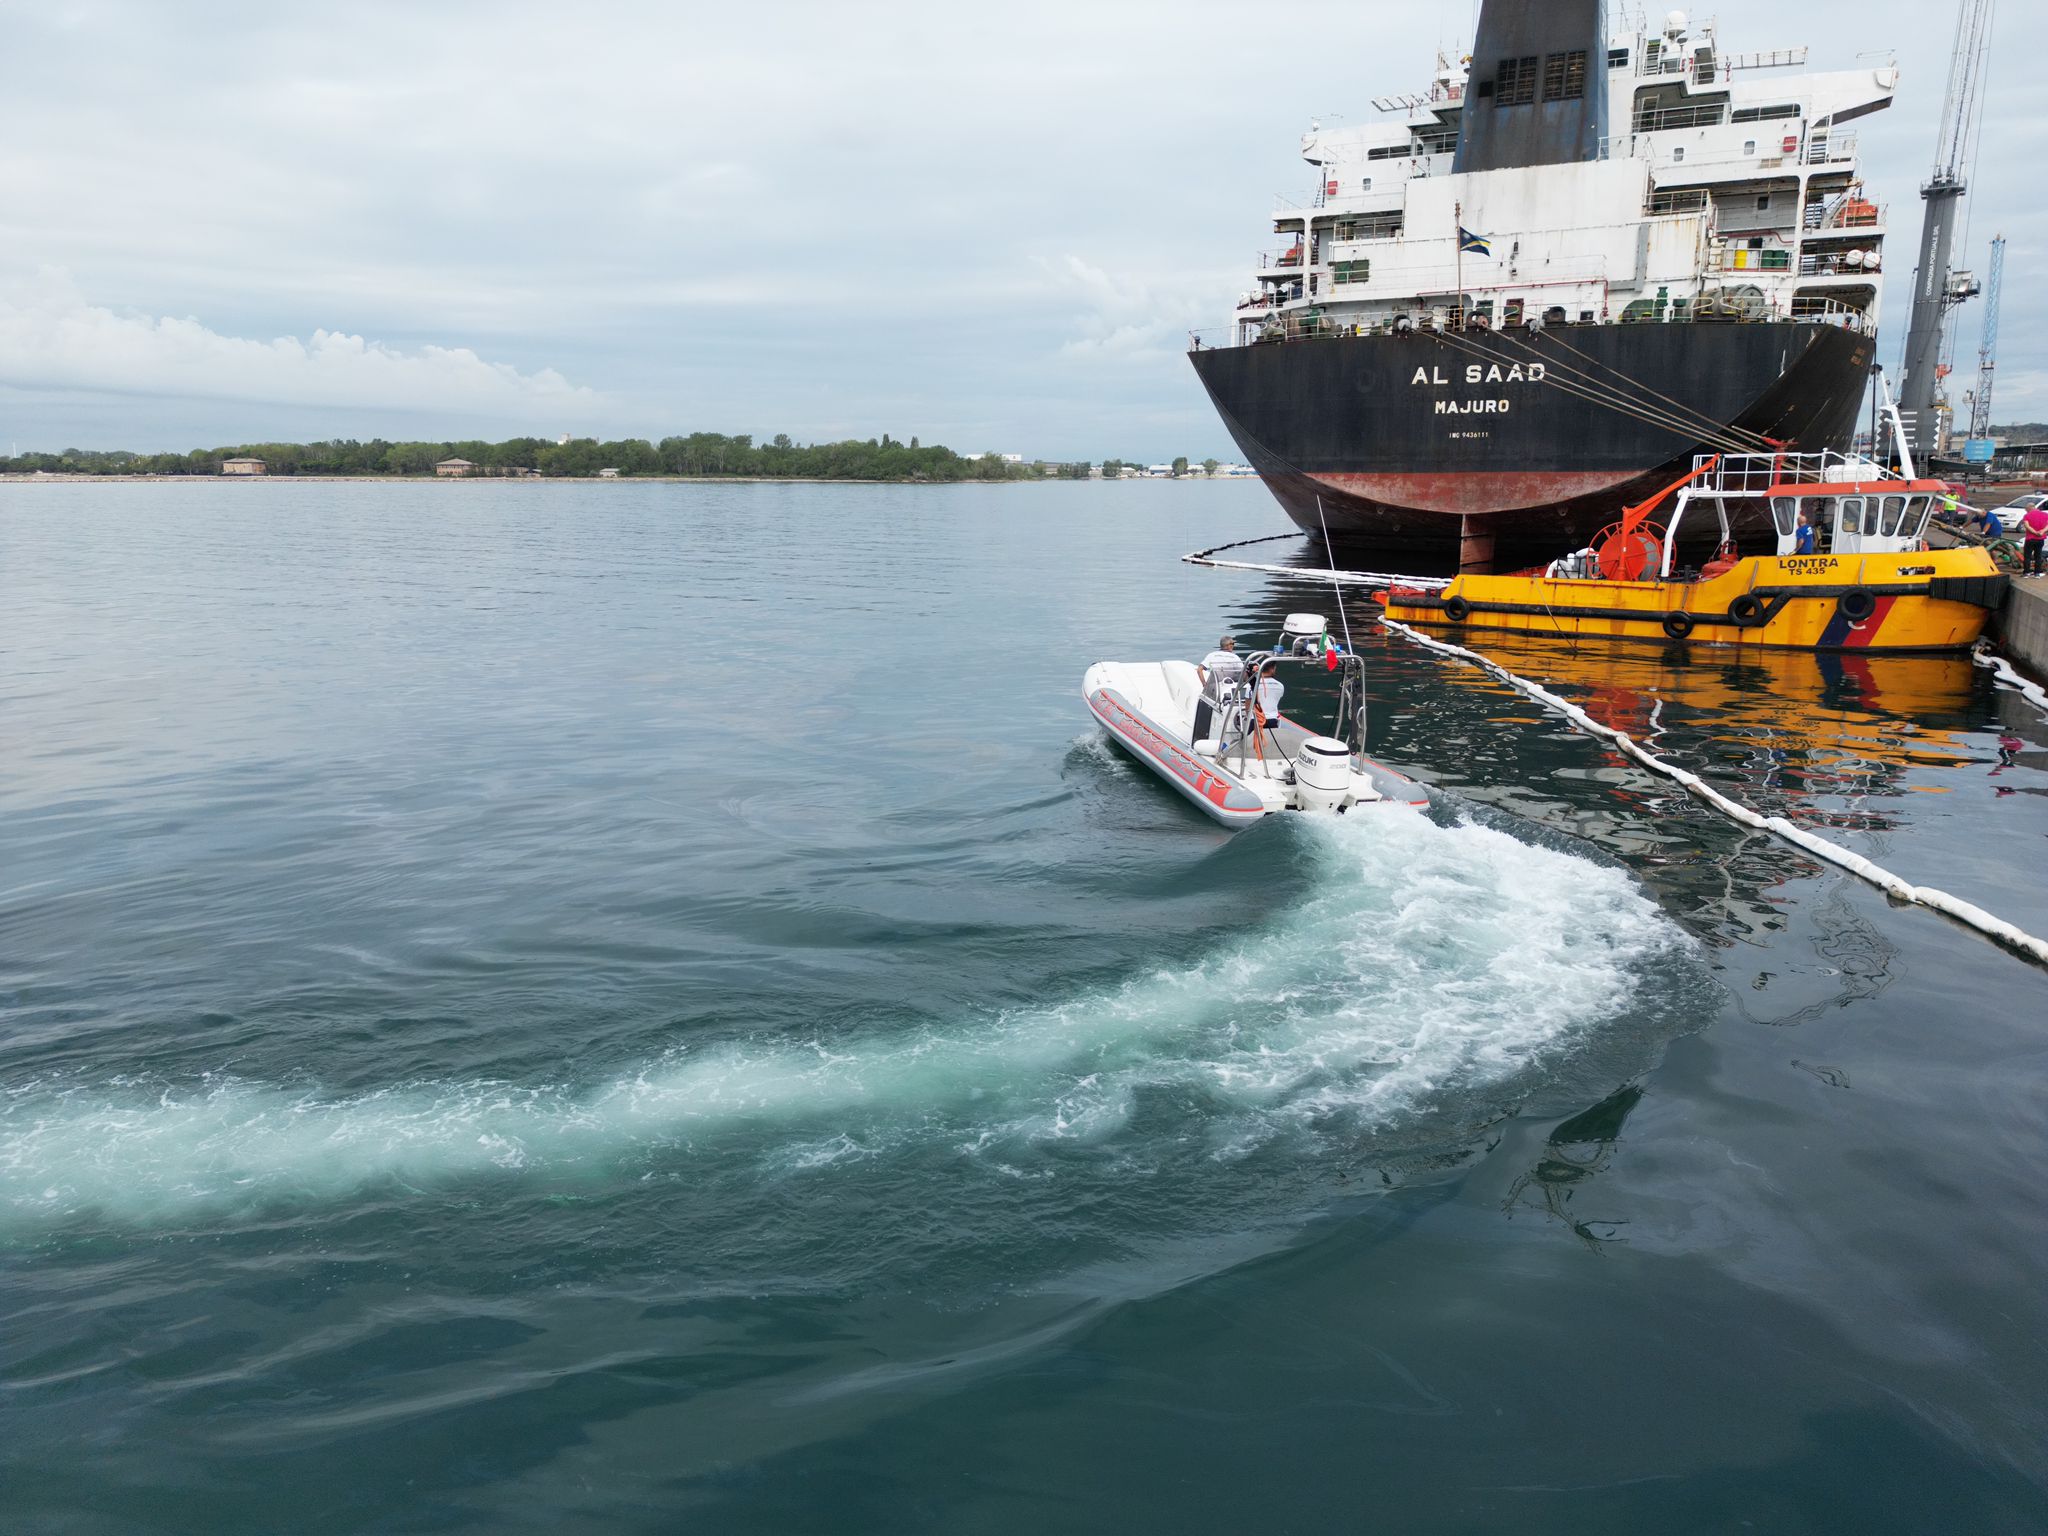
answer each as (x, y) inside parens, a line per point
(2010, 514)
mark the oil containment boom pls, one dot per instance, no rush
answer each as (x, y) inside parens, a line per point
(1936, 289)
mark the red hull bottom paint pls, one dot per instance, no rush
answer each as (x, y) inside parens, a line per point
(1476, 493)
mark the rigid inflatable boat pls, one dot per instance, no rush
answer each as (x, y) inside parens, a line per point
(1244, 768)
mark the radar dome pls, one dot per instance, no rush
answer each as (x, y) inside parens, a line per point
(1674, 23)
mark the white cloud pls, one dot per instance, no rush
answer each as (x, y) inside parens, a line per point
(1125, 318)
(51, 337)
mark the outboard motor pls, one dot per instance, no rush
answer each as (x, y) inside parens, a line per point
(1322, 774)
(1302, 635)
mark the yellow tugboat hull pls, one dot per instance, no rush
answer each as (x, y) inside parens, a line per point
(1919, 600)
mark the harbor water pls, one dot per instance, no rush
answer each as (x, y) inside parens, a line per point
(653, 1007)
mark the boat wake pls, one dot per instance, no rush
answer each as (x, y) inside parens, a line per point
(1419, 973)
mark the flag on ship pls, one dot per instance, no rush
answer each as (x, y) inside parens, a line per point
(1476, 244)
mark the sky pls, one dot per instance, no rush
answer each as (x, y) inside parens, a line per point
(990, 227)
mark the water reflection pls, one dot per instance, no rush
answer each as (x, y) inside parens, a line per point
(1784, 725)
(1576, 1150)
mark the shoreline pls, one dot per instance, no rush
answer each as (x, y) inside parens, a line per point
(44, 477)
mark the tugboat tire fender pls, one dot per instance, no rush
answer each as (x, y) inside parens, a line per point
(1746, 610)
(1677, 625)
(1457, 610)
(1856, 604)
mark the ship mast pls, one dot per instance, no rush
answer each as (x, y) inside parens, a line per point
(1937, 290)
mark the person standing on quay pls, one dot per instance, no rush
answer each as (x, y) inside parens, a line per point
(2033, 533)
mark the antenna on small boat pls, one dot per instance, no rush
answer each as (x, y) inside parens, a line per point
(1330, 556)
(1353, 666)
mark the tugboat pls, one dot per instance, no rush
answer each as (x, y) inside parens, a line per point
(1852, 570)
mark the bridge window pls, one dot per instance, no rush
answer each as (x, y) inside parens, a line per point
(1785, 514)
(1893, 509)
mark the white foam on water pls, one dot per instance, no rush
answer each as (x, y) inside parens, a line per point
(1411, 961)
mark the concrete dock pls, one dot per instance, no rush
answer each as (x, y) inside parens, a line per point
(2023, 623)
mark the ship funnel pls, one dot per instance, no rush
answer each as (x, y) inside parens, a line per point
(1537, 92)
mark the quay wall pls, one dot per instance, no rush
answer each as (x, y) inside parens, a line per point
(2023, 624)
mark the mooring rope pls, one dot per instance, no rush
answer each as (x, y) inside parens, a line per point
(1379, 579)
(1998, 928)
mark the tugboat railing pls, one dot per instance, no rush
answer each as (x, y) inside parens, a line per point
(1752, 474)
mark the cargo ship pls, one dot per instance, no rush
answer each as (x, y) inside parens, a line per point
(1530, 295)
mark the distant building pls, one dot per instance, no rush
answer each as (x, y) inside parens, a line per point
(1130, 472)
(562, 441)
(454, 467)
(244, 467)
(607, 474)
(1159, 472)
(1094, 471)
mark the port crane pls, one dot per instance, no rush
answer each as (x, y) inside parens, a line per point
(1936, 288)
(1987, 348)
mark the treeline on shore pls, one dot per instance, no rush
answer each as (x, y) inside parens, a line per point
(698, 454)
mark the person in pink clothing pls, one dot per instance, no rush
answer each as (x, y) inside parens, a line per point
(2033, 533)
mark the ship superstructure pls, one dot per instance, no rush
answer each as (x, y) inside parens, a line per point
(1576, 220)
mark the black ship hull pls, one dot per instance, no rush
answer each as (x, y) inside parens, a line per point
(1520, 445)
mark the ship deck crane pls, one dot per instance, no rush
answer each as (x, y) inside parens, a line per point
(1937, 289)
(1987, 348)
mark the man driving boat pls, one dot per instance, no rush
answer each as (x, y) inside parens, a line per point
(1220, 669)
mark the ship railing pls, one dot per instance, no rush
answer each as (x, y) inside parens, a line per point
(1830, 148)
(1631, 146)
(1698, 115)
(1849, 214)
(1261, 318)
(1818, 309)
(1836, 264)
(1742, 259)
(1773, 58)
